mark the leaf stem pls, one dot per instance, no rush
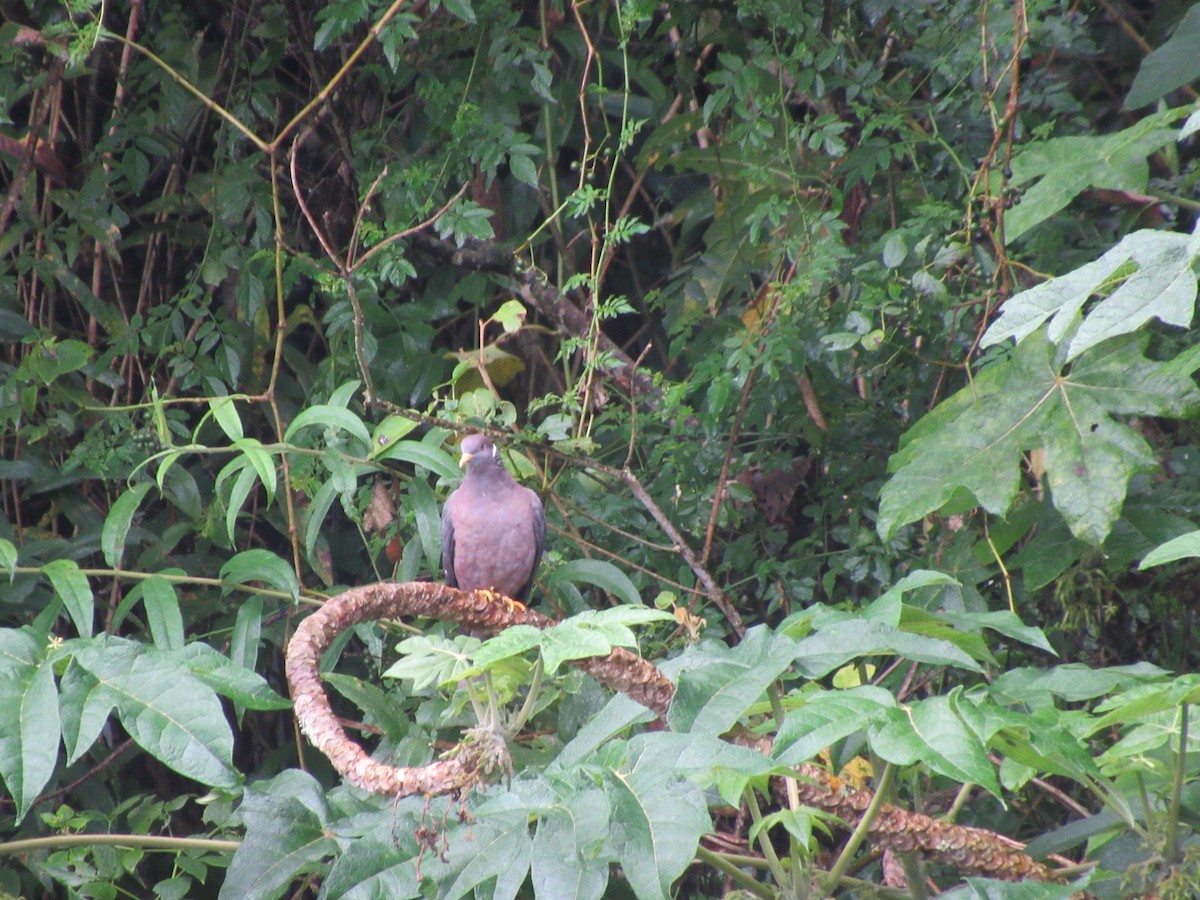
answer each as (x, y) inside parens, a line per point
(1171, 849)
(860, 832)
(727, 867)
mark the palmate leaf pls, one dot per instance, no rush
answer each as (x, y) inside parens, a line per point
(974, 440)
(1154, 279)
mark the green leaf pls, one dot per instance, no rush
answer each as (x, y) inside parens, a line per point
(1065, 167)
(334, 418)
(261, 565)
(72, 586)
(116, 524)
(225, 412)
(994, 889)
(162, 613)
(566, 856)
(431, 660)
(29, 733)
(828, 717)
(260, 459)
(714, 691)
(285, 836)
(169, 713)
(600, 573)
(489, 853)
(1073, 682)
(387, 432)
(433, 459)
(229, 679)
(429, 523)
(314, 516)
(1186, 546)
(930, 731)
(369, 869)
(835, 645)
(1171, 66)
(1153, 275)
(247, 632)
(657, 821)
(8, 558)
(975, 439)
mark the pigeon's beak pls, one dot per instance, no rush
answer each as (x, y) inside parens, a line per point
(464, 459)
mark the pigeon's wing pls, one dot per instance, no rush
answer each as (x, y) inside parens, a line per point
(448, 542)
(539, 542)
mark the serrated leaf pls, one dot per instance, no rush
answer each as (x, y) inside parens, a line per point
(285, 837)
(71, 585)
(975, 439)
(369, 869)
(600, 573)
(566, 858)
(1156, 281)
(116, 523)
(241, 685)
(930, 731)
(712, 696)
(29, 733)
(828, 717)
(261, 565)
(169, 713)
(657, 821)
(1065, 167)
(487, 853)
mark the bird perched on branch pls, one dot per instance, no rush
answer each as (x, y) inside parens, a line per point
(493, 529)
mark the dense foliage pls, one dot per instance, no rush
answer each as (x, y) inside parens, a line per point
(854, 337)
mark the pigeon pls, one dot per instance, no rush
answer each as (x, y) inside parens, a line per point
(493, 529)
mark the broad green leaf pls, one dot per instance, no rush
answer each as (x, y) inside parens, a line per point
(1146, 699)
(29, 733)
(1003, 621)
(261, 565)
(169, 713)
(344, 393)
(1186, 546)
(84, 708)
(225, 412)
(1171, 66)
(976, 438)
(8, 558)
(387, 432)
(713, 693)
(162, 613)
(285, 837)
(994, 889)
(370, 869)
(489, 855)
(618, 714)
(929, 731)
(116, 524)
(568, 641)
(430, 660)
(602, 574)
(828, 717)
(1152, 273)
(1073, 682)
(433, 459)
(567, 858)
(241, 685)
(1065, 167)
(832, 647)
(71, 585)
(20, 649)
(657, 821)
(429, 522)
(331, 417)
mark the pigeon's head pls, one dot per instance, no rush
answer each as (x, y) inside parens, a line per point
(478, 447)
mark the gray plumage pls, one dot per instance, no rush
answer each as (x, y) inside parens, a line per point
(493, 529)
